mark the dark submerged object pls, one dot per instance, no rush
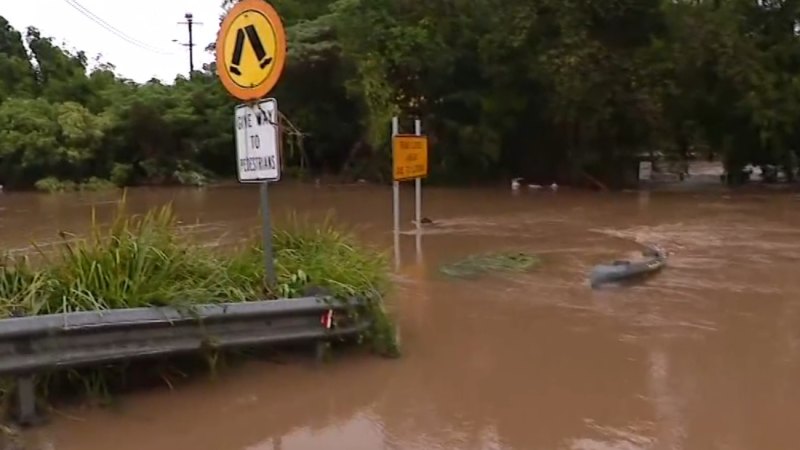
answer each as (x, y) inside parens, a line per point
(654, 259)
(424, 221)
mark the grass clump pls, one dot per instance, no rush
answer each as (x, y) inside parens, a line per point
(324, 257)
(321, 258)
(475, 265)
(145, 260)
(137, 261)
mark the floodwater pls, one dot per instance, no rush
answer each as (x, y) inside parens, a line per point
(705, 355)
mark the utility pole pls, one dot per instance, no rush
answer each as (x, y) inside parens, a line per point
(189, 23)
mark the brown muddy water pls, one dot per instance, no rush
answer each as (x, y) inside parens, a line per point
(705, 355)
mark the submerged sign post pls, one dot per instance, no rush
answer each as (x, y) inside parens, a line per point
(251, 54)
(409, 162)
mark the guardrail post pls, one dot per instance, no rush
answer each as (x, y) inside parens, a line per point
(322, 347)
(320, 351)
(26, 396)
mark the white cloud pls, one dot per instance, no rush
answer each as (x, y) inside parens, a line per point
(152, 22)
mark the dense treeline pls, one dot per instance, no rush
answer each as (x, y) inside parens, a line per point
(62, 124)
(545, 89)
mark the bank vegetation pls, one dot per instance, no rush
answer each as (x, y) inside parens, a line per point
(146, 260)
(543, 89)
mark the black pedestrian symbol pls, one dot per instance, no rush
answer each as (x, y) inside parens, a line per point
(255, 43)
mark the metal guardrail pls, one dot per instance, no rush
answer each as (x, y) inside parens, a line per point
(29, 345)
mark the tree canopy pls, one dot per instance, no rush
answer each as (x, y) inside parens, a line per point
(550, 90)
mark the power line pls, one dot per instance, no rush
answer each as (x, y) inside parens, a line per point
(112, 29)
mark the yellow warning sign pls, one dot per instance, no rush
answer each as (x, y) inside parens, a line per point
(251, 50)
(409, 157)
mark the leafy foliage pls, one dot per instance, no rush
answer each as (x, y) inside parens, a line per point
(544, 89)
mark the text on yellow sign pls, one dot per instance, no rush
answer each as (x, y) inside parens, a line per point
(409, 157)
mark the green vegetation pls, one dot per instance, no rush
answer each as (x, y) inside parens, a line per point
(53, 185)
(476, 265)
(543, 89)
(141, 261)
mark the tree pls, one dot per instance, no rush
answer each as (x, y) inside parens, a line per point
(545, 89)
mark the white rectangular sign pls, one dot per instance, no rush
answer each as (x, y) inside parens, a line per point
(645, 170)
(257, 142)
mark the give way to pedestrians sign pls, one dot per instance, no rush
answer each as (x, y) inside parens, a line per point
(257, 142)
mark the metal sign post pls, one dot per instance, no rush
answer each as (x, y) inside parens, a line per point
(418, 183)
(396, 202)
(250, 56)
(266, 230)
(258, 157)
(418, 199)
(409, 162)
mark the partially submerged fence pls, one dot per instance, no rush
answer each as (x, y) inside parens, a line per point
(30, 345)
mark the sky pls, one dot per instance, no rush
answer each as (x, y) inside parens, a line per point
(153, 24)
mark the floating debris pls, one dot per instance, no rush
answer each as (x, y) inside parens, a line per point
(652, 260)
(475, 265)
